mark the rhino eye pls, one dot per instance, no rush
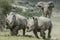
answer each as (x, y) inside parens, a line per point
(48, 7)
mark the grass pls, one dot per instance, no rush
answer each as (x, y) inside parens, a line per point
(16, 38)
(7, 36)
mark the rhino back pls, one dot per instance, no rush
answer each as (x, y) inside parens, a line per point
(43, 21)
(20, 19)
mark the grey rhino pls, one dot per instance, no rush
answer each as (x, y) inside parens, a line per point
(16, 22)
(46, 8)
(40, 24)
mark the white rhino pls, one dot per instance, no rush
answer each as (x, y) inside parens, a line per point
(39, 24)
(46, 8)
(15, 22)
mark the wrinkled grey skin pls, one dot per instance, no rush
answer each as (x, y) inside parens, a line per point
(46, 8)
(16, 22)
(40, 24)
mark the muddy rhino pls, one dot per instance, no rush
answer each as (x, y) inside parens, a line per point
(16, 22)
(40, 24)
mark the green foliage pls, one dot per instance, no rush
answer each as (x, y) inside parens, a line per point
(30, 13)
(5, 7)
(31, 10)
(17, 10)
(6, 36)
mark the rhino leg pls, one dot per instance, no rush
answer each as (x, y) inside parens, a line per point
(24, 31)
(11, 32)
(42, 34)
(14, 32)
(49, 32)
(35, 33)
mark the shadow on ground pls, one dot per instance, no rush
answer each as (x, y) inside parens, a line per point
(30, 36)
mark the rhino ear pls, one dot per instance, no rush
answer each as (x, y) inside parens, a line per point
(51, 4)
(33, 18)
(40, 4)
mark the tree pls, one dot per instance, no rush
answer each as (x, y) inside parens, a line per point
(5, 6)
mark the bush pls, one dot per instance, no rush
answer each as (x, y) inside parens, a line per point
(5, 7)
(30, 13)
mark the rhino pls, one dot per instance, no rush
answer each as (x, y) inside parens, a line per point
(16, 22)
(46, 8)
(40, 24)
